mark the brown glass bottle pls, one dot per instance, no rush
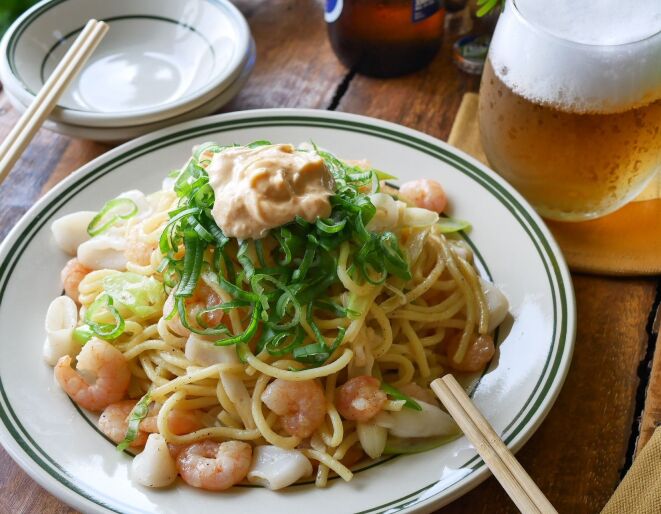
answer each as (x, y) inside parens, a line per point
(385, 38)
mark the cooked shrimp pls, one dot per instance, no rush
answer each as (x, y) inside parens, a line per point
(113, 422)
(108, 369)
(360, 398)
(180, 421)
(301, 405)
(71, 275)
(214, 466)
(203, 298)
(424, 193)
(138, 250)
(478, 354)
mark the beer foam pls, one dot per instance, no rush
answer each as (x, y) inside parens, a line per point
(580, 55)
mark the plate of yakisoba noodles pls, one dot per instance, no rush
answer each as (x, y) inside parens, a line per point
(245, 312)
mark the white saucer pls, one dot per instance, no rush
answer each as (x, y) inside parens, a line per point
(120, 134)
(160, 58)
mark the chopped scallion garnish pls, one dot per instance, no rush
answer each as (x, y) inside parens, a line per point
(102, 306)
(138, 413)
(282, 276)
(398, 395)
(113, 211)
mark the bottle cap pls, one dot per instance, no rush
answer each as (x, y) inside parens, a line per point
(470, 52)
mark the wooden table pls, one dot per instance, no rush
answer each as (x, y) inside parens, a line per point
(611, 400)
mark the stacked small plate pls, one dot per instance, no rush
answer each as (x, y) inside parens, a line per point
(162, 62)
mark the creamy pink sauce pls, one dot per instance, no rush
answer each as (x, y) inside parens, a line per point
(261, 188)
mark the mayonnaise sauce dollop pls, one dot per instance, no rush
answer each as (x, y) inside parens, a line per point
(261, 188)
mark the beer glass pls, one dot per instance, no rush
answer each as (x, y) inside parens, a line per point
(570, 102)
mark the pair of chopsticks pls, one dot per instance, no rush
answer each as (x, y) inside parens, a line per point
(517, 483)
(35, 115)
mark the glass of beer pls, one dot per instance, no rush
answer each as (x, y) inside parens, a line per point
(570, 102)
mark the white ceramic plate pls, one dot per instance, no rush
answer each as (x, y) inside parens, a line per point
(120, 134)
(159, 59)
(62, 450)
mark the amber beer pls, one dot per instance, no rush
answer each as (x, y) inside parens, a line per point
(576, 128)
(385, 38)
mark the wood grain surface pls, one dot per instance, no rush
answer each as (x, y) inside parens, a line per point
(427, 100)
(580, 452)
(295, 65)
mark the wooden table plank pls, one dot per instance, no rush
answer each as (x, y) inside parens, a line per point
(427, 100)
(20, 189)
(295, 65)
(20, 494)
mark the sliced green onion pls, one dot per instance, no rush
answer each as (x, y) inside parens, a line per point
(259, 249)
(368, 269)
(360, 176)
(204, 331)
(106, 331)
(335, 308)
(113, 211)
(220, 238)
(192, 264)
(398, 395)
(257, 144)
(192, 177)
(138, 413)
(202, 232)
(399, 445)
(449, 225)
(290, 244)
(166, 241)
(82, 334)
(282, 343)
(282, 310)
(302, 221)
(303, 268)
(318, 353)
(330, 226)
(395, 262)
(382, 175)
(248, 333)
(313, 325)
(306, 260)
(243, 257)
(237, 292)
(204, 147)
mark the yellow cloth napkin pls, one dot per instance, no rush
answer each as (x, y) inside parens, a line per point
(640, 491)
(626, 242)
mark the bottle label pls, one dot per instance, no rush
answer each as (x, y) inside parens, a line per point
(333, 10)
(422, 9)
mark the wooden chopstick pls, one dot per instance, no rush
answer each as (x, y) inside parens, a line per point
(517, 483)
(46, 100)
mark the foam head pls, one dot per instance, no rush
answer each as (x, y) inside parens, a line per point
(581, 55)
